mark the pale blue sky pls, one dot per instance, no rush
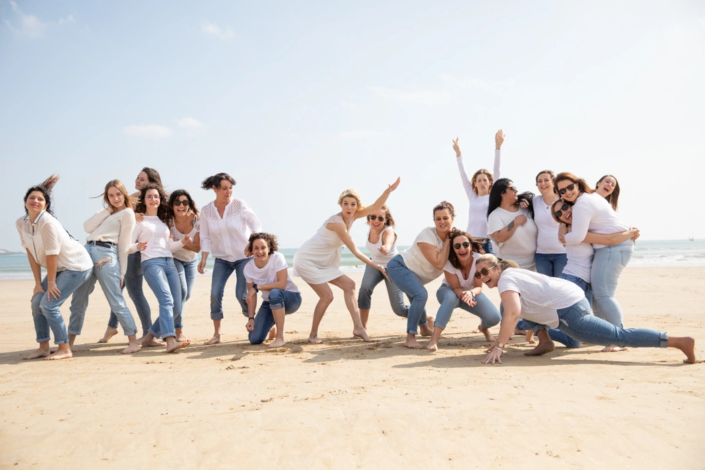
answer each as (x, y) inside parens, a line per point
(300, 100)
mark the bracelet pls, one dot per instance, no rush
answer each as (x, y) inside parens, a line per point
(250, 318)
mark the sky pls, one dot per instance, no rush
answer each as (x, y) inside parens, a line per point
(300, 100)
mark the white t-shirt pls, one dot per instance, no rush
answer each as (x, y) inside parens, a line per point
(592, 213)
(547, 241)
(155, 232)
(579, 260)
(541, 296)
(477, 216)
(521, 247)
(465, 284)
(373, 248)
(268, 274)
(417, 262)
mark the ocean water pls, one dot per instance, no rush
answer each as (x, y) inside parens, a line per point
(646, 253)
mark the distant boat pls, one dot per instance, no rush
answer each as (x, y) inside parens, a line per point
(692, 236)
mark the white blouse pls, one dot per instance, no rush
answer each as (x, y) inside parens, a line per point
(116, 229)
(226, 237)
(477, 216)
(156, 233)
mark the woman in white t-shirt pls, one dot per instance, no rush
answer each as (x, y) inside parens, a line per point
(460, 288)
(557, 303)
(382, 244)
(478, 190)
(420, 264)
(318, 260)
(550, 252)
(608, 187)
(511, 226)
(268, 274)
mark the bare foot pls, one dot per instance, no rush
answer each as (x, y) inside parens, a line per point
(214, 340)
(486, 332)
(519, 333)
(428, 329)
(180, 335)
(411, 343)
(685, 344)
(278, 343)
(613, 349)
(314, 340)
(478, 329)
(152, 343)
(541, 349)
(362, 334)
(432, 347)
(132, 348)
(41, 352)
(272, 333)
(109, 333)
(177, 345)
(60, 354)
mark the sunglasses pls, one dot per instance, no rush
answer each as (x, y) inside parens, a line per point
(464, 245)
(513, 188)
(564, 207)
(482, 272)
(374, 217)
(182, 202)
(570, 187)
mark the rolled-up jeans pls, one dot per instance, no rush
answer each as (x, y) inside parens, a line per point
(163, 279)
(187, 278)
(221, 273)
(607, 266)
(370, 279)
(550, 264)
(133, 283)
(408, 282)
(449, 300)
(264, 320)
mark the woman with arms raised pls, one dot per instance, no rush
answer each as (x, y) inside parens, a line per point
(608, 187)
(67, 265)
(318, 260)
(550, 252)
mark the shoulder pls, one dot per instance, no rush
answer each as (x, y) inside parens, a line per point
(449, 268)
(335, 219)
(279, 260)
(19, 223)
(208, 211)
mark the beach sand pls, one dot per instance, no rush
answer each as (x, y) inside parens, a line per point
(348, 404)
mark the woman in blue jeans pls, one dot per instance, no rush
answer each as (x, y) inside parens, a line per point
(460, 288)
(67, 265)
(268, 274)
(544, 301)
(550, 252)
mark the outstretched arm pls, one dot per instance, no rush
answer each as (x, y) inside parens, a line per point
(339, 229)
(377, 205)
(461, 168)
(512, 313)
(498, 141)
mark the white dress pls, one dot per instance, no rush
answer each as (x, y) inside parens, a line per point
(318, 260)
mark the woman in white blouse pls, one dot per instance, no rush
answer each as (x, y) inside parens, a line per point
(67, 265)
(226, 225)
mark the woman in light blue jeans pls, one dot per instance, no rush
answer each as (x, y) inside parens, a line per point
(550, 253)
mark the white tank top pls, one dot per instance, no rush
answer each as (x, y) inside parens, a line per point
(183, 254)
(373, 248)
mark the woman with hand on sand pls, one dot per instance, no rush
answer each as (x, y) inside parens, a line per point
(268, 271)
(420, 264)
(550, 253)
(318, 260)
(152, 238)
(557, 303)
(226, 225)
(67, 265)
(608, 187)
(461, 289)
(478, 190)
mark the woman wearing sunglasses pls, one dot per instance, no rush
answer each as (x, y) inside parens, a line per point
(551, 302)
(608, 187)
(550, 252)
(478, 190)
(461, 289)
(382, 245)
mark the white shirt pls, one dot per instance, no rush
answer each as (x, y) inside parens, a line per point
(155, 232)
(116, 229)
(226, 237)
(183, 254)
(417, 262)
(268, 274)
(46, 237)
(373, 248)
(592, 213)
(579, 260)
(465, 284)
(547, 240)
(521, 246)
(477, 216)
(541, 296)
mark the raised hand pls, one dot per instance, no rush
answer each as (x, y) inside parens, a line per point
(394, 185)
(383, 249)
(456, 147)
(499, 139)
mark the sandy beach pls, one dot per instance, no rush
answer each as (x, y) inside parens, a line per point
(349, 404)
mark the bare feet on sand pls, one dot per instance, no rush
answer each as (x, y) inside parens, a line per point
(542, 348)
(109, 333)
(428, 329)
(613, 349)
(180, 335)
(486, 332)
(685, 344)
(64, 352)
(411, 342)
(432, 346)
(272, 333)
(176, 345)
(278, 343)
(132, 348)
(214, 340)
(314, 339)
(41, 352)
(362, 334)
(152, 343)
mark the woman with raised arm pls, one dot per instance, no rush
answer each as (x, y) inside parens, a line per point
(557, 303)
(108, 246)
(382, 245)
(478, 190)
(460, 288)
(550, 252)
(420, 264)
(226, 225)
(186, 222)
(608, 187)
(67, 265)
(268, 274)
(318, 260)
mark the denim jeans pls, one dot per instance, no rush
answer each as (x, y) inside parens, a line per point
(264, 320)
(221, 273)
(487, 245)
(187, 277)
(45, 312)
(607, 266)
(163, 279)
(553, 333)
(371, 278)
(133, 283)
(408, 282)
(108, 275)
(449, 301)
(580, 282)
(551, 265)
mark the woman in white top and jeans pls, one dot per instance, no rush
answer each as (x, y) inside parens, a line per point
(550, 252)
(478, 190)
(67, 265)
(226, 225)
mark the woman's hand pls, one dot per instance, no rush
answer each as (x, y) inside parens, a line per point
(635, 233)
(520, 219)
(468, 298)
(141, 246)
(247, 251)
(456, 147)
(383, 270)
(250, 325)
(493, 355)
(499, 139)
(186, 239)
(562, 230)
(394, 185)
(524, 204)
(202, 266)
(383, 249)
(38, 289)
(53, 291)
(139, 217)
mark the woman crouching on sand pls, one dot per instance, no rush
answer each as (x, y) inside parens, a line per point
(546, 301)
(461, 289)
(268, 274)
(67, 265)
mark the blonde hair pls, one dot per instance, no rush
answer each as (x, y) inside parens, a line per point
(388, 219)
(353, 194)
(130, 201)
(493, 261)
(482, 171)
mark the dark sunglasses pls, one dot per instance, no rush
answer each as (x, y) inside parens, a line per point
(182, 202)
(513, 188)
(564, 207)
(570, 187)
(374, 217)
(458, 245)
(482, 272)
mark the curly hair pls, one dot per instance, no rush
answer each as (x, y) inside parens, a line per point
(214, 181)
(271, 240)
(388, 219)
(163, 211)
(45, 188)
(474, 246)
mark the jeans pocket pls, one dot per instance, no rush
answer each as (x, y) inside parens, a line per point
(626, 256)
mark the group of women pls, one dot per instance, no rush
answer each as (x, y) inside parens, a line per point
(558, 255)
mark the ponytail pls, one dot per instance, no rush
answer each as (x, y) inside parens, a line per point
(214, 181)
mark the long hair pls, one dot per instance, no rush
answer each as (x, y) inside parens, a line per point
(271, 240)
(493, 261)
(444, 205)
(173, 197)
(45, 188)
(479, 172)
(474, 246)
(163, 211)
(152, 175)
(353, 194)
(388, 219)
(214, 181)
(129, 200)
(498, 188)
(527, 196)
(553, 209)
(582, 184)
(613, 198)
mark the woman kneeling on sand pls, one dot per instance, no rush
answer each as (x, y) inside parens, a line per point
(268, 274)
(551, 302)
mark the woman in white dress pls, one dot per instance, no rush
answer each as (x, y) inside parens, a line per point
(318, 261)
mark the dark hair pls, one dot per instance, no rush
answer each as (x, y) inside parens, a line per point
(173, 197)
(268, 237)
(45, 188)
(498, 188)
(553, 210)
(613, 198)
(152, 176)
(582, 184)
(214, 181)
(474, 246)
(444, 205)
(163, 212)
(527, 196)
(388, 219)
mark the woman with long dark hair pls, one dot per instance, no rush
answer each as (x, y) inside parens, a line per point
(608, 187)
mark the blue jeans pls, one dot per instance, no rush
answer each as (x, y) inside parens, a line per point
(553, 333)
(408, 282)
(108, 275)
(221, 273)
(551, 265)
(370, 280)
(449, 301)
(580, 282)
(607, 266)
(187, 277)
(264, 320)
(133, 283)
(487, 245)
(163, 279)
(46, 312)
